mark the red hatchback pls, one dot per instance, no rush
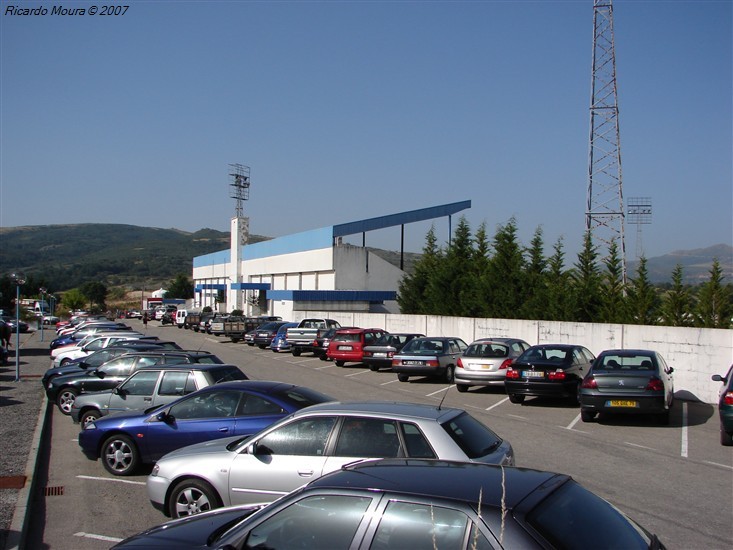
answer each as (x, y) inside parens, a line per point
(347, 345)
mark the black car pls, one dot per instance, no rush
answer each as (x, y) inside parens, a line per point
(379, 354)
(548, 370)
(63, 390)
(416, 504)
(725, 407)
(266, 332)
(627, 381)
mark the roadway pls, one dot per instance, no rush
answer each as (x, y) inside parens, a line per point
(675, 480)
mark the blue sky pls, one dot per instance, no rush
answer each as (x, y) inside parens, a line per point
(351, 110)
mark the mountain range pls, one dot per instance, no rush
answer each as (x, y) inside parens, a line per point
(135, 257)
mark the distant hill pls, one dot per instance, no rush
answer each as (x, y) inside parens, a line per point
(133, 257)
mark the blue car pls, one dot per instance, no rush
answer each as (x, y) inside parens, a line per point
(124, 441)
(279, 343)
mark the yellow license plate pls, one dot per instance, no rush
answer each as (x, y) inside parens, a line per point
(622, 403)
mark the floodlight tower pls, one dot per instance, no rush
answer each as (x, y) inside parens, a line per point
(239, 184)
(639, 211)
(604, 214)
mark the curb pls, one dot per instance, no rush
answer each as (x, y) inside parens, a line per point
(18, 532)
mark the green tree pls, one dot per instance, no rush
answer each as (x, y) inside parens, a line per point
(714, 308)
(96, 293)
(181, 287)
(676, 308)
(73, 299)
(557, 307)
(643, 299)
(411, 295)
(535, 280)
(585, 280)
(613, 291)
(504, 279)
(478, 269)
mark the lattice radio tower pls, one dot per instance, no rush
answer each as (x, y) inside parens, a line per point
(604, 215)
(239, 176)
(639, 212)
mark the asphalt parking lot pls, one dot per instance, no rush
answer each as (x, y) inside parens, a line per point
(676, 480)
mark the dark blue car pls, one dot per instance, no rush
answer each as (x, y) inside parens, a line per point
(126, 440)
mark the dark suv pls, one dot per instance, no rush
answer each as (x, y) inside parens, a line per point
(63, 390)
(151, 387)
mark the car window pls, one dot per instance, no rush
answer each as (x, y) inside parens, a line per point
(578, 357)
(141, 383)
(304, 437)
(147, 360)
(574, 518)
(474, 439)
(177, 383)
(212, 404)
(420, 526)
(226, 375)
(320, 521)
(368, 438)
(121, 366)
(416, 443)
(255, 405)
(207, 360)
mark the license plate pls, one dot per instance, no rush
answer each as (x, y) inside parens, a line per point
(345, 348)
(622, 403)
(533, 374)
(408, 362)
(380, 354)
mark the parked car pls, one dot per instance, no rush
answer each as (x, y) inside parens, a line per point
(266, 332)
(725, 407)
(151, 387)
(347, 344)
(134, 314)
(126, 440)
(428, 356)
(379, 354)
(485, 362)
(249, 337)
(64, 355)
(631, 381)
(279, 342)
(63, 390)
(320, 344)
(310, 443)
(419, 504)
(548, 370)
(11, 322)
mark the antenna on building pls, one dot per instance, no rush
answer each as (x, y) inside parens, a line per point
(639, 212)
(604, 214)
(239, 176)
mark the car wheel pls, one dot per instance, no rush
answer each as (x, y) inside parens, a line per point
(296, 352)
(65, 361)
(65, 399)
(373, 368)
(403, 377)
(339, 363)
(449, 370)
(88, 417)
(323, 358)
(120, 456)
(462, 388)
(726, 439)
(234, 340)
(587, 416)
(192, 496)
(514, 398)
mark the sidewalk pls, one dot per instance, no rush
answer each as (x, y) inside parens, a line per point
(22, 415)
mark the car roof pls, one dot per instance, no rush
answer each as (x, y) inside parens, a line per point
(187, 353)
(189, 366)
(500, 340)
(385, 408)
(628, 352)
(356, 330)
(478, 483)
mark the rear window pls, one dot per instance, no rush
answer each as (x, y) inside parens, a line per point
(208, 360)
(574, 518)
(304, 397)
(424, 347)
(487, 350)
(613, 362)
(227, 374)
(474, 439)
(348, 337)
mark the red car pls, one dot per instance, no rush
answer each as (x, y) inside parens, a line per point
(347, 345)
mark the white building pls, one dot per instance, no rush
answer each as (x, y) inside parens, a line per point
(307, 271)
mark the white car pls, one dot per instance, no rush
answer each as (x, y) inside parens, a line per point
(94, 344)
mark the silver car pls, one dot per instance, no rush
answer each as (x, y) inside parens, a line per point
(485, 362)
(310, 443)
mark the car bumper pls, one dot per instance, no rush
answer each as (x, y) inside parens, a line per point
(418, 370)
(380, 363)
(157, 488)
(477, 378)
(644, 404)
(542, 389)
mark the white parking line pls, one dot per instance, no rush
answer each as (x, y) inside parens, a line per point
(439, 391)
(517, 416)
(96, 537)
(729, 467)
(93, 478)
(390, 382)
(573, 423)
(321, 368)
(497, 404)
(684, 430)
(357, 373)
(639, 446)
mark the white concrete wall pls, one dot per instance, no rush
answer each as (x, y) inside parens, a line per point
(297, 262)
(350, 266)
(695, 354)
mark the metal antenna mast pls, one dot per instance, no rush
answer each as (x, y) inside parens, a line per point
(639, 211)
(239, 175)
(604, 214)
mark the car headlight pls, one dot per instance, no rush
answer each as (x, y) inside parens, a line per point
(155, 471)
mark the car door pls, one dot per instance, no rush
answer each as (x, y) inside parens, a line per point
(135, 393)
(199, 417)
(281, 460)
(109, 375)
(173, 385)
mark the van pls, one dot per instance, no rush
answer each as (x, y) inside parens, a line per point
(181, 317)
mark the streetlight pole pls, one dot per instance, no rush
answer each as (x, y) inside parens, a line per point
(19, 280)
(43, 303)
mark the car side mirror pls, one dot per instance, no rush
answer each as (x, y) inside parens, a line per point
(83, 365)
(717, 378)
(99, 373)
(165, 417)
(670, 371)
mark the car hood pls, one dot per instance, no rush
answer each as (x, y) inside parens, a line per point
(206, 447)
(190, 532)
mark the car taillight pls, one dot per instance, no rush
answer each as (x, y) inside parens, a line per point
(728, 398)
(395, 362)
(655, 384)
(512, 374)
(432, 363)
(459, 364)
(557, 375)
(589, 383)
(390, 354)
(367, 354)
(506, 363)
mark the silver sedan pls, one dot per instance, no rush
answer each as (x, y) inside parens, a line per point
(311, 443)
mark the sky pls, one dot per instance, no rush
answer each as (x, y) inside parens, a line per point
(351, 110)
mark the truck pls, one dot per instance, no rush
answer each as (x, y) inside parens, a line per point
(236, 327)
(301, 338)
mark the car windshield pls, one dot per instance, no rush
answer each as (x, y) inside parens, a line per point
(268, 326)
(574, 518)
(474, 439)
(548, 354)
(612, 362)
(488, 350)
